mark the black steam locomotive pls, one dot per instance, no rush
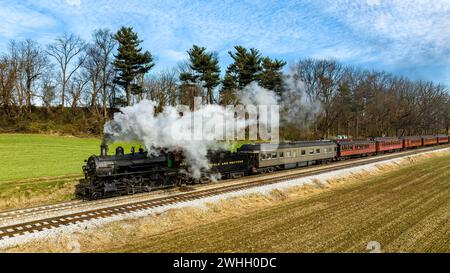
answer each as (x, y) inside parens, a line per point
(136, 172)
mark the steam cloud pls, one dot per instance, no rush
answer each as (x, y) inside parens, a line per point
(196, 132)
(298, 108)
(193, 132)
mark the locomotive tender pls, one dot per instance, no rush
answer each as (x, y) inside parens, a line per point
(136, 172)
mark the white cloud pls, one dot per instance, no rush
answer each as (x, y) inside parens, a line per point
(175, 56)
(344, 53)
(373, 2)
(389, 33)
(73, 2)
(414, 30)
(17, 20)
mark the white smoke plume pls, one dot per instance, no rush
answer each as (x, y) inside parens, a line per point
(297, 107)
(195, 132)
(253, 94)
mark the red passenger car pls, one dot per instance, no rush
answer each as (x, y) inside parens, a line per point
(388, 144)
(350, 148)
(412, 142)
(429, 140)
(442, 139)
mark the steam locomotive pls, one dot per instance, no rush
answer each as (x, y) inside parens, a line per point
(137, 172)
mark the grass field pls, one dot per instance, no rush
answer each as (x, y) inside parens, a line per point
(32, 156)
(39, 169)
(42, 169)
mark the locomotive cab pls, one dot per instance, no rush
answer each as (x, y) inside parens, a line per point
(175, 160)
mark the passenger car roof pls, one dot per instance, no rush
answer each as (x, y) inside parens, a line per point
(284, 145)
(357, 142)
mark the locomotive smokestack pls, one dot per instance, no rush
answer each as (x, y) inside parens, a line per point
(104, 146)
(103, 150)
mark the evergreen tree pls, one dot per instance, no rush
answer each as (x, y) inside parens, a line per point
(271, 76)
(249, 66)
(246, 65)
(130, 62)
(228, 91)
(229, 81)
(205, 66)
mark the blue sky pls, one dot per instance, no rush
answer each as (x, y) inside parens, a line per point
(405, 37)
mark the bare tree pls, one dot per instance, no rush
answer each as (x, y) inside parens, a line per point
(76, 88)
(322, 79)
(169, 80)
(162, 88)
(17, 64)
(91, 73)
(32, 63)
(7, 82)
(105, 45)
(48, 90)
(98, 70)
(65, 50)
(372, 103)
(447, 113)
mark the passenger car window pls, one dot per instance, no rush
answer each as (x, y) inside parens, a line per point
(281, 154)
(311, 152)
(303, 152)
(317, 151)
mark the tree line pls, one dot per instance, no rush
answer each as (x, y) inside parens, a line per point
(82, 83)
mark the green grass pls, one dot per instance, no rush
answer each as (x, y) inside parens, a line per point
(37, 169)
(33, 156)
(26, 156)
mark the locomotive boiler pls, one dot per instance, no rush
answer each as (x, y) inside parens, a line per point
(122, 174)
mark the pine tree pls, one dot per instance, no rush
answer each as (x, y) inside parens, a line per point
(206, 69)
(228, 92)
(130, 62)
(246, 65)
(271, 76)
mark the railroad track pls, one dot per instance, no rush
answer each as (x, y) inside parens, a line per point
(8, 214)
(61, 206)
(15, 230)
